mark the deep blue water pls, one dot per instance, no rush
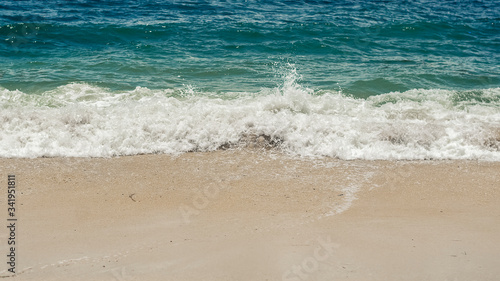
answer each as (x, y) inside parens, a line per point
(362, 47)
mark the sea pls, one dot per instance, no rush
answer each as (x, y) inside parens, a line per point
(347, 79)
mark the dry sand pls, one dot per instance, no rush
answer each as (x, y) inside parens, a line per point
(248, 215)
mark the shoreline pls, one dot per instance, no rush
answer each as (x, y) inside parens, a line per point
(247, 215)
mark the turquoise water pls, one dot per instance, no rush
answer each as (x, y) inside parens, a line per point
(348, 79)
(363, 47)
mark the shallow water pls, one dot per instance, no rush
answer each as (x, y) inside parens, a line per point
(346, 79)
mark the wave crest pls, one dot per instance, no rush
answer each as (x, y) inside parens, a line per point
(87, 121)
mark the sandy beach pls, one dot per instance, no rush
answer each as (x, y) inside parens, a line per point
(252, 215)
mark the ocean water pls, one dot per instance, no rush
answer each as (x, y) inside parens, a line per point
(347, 79)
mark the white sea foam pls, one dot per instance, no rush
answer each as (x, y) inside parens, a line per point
(88, 121)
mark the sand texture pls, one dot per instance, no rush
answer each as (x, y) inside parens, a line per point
(249, 215)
